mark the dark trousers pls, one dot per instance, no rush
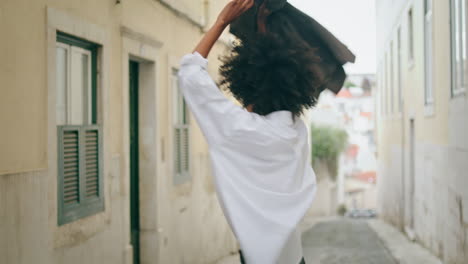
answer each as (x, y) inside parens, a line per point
(243, 261)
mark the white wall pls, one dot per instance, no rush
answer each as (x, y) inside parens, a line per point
(431, 194)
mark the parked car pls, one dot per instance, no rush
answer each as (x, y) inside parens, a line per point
(361, 213)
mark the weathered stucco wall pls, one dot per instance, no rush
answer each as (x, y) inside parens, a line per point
(420, 181)
(187, 225)
(22, 104)
(325, 203)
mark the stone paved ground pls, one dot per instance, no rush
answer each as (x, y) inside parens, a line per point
(402, 249)
(344, 241)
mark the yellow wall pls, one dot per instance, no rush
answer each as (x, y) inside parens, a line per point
(23, 100)
(189, 226)
(23, 144)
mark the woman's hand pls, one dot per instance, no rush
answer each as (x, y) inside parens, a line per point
(231, 11)
(263, 13)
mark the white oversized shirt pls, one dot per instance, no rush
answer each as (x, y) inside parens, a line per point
(261, 167)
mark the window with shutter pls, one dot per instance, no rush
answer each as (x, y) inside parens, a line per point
(459, 10)
(392, 84)
(181, 134)
(428, 91)
(79, 136)
(399, 73)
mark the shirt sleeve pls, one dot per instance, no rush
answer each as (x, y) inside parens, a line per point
(216, 115)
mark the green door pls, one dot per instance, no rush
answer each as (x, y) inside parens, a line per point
(134, 164)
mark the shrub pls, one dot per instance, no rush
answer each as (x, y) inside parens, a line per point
(327, 145)
(341, 210)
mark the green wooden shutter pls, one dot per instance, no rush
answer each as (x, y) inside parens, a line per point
(181, 134)
(177, 150)
(80, 189)
(181, 154)
(69, 165)
(91, 162)
(91, 174)
(185, 150)
(69, 170)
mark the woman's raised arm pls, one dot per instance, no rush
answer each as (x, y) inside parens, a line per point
(231, 11)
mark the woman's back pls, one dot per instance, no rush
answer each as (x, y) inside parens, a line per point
(261, 167)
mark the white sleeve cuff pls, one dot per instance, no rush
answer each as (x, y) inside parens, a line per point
(194, 58)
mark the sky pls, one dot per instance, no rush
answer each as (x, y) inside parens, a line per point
(352, 22)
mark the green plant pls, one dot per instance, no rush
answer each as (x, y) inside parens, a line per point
(341, 210)
(349, 84)
(327, 145)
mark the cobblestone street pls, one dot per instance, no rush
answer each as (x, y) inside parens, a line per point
(344, 241)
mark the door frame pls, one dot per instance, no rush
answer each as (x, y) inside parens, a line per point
(410, 186)
(134, 159)
(412, 169)
(145, 50)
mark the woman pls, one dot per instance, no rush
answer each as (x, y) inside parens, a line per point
(259, 151)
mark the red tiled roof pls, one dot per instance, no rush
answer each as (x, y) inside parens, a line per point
(352, 151)
(344, 93)
(368, 176)
(366, 114)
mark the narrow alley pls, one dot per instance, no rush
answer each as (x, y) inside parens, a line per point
(344, 241)
(104, 158)
(355, 241)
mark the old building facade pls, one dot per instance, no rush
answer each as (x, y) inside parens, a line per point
(423, 122)
(100, 160)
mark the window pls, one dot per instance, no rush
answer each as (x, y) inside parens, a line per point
(429, 93)
(80, 191)
(399, 78)
(384, 85)
(387, 84)
(459, 46)
(392, 79)
(410, 36)
(381, 88)
(181, 133)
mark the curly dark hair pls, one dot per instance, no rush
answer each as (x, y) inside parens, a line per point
(273, 71)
